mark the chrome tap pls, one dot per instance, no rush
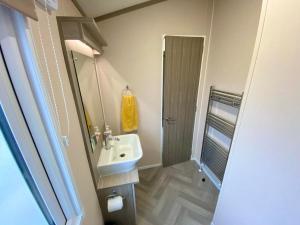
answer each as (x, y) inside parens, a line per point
(107, 134)
(107, 137)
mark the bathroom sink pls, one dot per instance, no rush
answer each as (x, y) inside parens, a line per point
(122, 157)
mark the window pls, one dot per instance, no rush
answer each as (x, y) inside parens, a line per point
(21, 202)
(26, 194)
(31, 121)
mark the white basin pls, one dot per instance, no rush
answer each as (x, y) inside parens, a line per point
(122, 156)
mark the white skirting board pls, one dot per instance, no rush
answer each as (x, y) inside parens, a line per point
(149, 166)
(208, 173)
(196, 161)
(211, 176)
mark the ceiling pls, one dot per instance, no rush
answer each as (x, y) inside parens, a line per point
(94, 8)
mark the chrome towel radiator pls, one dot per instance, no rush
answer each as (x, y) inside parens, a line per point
(214, 156)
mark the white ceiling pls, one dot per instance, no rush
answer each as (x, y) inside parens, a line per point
(94, 8)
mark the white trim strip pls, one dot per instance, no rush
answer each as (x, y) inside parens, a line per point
(211, 176)
(203, 168)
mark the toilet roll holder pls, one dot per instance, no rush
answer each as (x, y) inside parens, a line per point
(114, 194)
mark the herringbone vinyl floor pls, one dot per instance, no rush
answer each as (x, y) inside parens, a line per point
(175, 195)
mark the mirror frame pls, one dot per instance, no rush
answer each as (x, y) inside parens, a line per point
(77, 97)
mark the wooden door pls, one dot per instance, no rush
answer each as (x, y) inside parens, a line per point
(182, 63)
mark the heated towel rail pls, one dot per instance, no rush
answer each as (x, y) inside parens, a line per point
(214, 156)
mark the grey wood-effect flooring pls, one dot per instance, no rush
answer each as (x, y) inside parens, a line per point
(175, 195)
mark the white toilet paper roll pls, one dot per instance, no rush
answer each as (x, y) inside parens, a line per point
(114, 204)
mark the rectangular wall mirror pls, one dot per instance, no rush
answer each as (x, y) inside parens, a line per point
(90, 91)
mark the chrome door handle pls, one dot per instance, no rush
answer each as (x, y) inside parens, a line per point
(169, 119)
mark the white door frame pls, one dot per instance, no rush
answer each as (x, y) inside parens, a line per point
(18, 127)
(199, 94)
(25, 77)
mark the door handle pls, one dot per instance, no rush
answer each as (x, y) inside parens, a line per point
(170, 119)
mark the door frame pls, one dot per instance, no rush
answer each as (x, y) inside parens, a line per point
(25, 78)
(199, 94)
(21, 134)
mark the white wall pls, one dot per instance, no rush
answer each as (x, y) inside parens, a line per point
(134, 57)
(76, 150)
(234, 29)
(261, 184)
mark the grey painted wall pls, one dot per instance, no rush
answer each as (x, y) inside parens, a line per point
(261, 184)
